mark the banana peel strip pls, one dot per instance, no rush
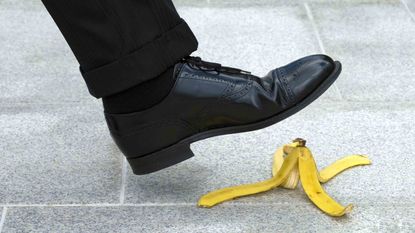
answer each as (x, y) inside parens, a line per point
(312, 187)
(341, 165)
(294, 177)
(325, 174)
(221, 195)
(287, 172)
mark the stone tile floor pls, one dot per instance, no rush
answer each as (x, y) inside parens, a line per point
(60, 171)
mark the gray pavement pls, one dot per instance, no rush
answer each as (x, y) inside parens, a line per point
(61, 172)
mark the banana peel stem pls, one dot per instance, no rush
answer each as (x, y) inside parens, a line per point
(293, 163)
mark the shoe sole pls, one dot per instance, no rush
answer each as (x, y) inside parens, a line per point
(181, 151)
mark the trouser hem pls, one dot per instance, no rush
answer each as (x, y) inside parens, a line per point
(143, 64)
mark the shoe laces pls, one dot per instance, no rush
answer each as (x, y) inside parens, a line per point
(211, 66)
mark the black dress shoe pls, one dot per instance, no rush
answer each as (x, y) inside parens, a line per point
(209, 100)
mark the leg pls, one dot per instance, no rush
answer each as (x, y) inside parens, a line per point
(120, 44)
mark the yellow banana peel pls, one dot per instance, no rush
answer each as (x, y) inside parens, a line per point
(312, 187)
(216, 197)
(294, 162)
(293, 178)
(340, 165)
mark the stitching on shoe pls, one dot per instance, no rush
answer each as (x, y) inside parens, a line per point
(198, 77)
(233, 91)
(228, 90)
(242, 92)
(283, 78)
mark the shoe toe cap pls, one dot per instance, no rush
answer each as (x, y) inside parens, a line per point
(306, 74)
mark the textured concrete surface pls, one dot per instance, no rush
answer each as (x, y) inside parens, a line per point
(2, 217)
(60, 171)
(386, 45)
(410, 4)
(189, 219)
(37, 65)
(57, 154)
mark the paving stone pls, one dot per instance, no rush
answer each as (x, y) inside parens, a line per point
(411, 6)
(334, 130)
(376, 43)
(36, 64)
(57, 154)
(2, 218)
(27, 5)
(264, 3)
(276, 218)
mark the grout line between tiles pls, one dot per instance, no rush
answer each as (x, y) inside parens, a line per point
(320, 42)
(313, 24)
(408, 10)
(123, 180)
(3, 218)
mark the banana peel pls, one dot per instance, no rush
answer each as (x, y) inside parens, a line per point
(293, 163)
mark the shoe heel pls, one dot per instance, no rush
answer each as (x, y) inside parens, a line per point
(161, 159)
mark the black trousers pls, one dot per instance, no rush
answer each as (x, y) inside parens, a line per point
(122, 43)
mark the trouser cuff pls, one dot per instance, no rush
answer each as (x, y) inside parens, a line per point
(144, 64)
